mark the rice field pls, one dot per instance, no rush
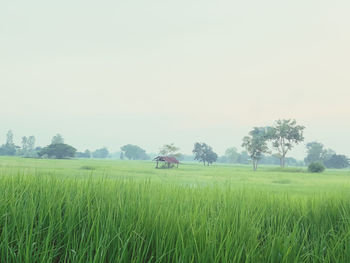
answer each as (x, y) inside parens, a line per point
(120, 211)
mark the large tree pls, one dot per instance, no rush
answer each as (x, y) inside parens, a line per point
(101, 153)
(284, 135)
(58, 151)
(204, 153)
(134, 152)
(28, 145)
(256, 144)
(314, 152)
(232, 155)
(337, 161)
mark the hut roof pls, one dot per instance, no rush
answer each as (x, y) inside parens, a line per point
(168, 159)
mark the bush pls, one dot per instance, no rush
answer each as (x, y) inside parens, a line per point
(316, 167)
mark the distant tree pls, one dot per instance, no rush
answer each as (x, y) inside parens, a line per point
(31, 143)
(101, 153)
(327, 154)
(337, 161)
(57, 139)
(134, 152)
(28, 145)
(243, 158)
(85, 154)
(9, 138)
(204, 153)
(9, 148)
(232, 155)
(256, 145)
(170, 150)
(121, 157)
(58, 151)
(284, 135)
(24, 144)
(314, 152)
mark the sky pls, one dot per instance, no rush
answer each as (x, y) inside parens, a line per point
(109, 73)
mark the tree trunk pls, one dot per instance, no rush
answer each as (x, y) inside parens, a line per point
(157, 165)
(254, 165)
(282, 160)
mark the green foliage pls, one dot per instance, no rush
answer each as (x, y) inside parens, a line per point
(256, 145)
(134, 152)
(314, 152)
(9, 148)
(316, 167)
(232, 155)
(337, 161)
(170, 150)
(284, 135)
(28, 147)
(204, 153)
(58, 151)
(101, 153)
(57, 139)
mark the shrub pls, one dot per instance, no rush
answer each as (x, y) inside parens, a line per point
(316, 167)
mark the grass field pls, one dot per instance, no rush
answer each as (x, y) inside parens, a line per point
(120, 211)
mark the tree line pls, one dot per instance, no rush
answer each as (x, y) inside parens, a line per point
(262, 145)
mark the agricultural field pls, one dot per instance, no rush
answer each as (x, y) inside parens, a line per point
(127, 211)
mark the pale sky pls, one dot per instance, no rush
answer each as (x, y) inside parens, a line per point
(108, 73)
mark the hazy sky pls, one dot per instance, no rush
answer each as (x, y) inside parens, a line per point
(154, 72)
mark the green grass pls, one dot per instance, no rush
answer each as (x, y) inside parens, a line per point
(120, 211)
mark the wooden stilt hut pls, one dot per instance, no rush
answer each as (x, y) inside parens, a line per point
(169, 161)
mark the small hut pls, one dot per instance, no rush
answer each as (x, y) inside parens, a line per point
(168, 161)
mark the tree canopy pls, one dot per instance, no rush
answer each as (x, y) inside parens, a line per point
(101, 153)
(256, 144)
(204, 153)
(58, 151)
(134, 152)
(284, 135)
(170, 150)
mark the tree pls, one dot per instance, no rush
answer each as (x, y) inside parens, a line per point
(101, 153)
(58, 151)
(243, 158)
(256, 144)
(284, 135)
(134, 152)
(31, 143)
(57, 139)
(232, 155)
(204, 153)
(9, 148)
(337, 161)
(28, 145)
(24, 144)
(170, 150)
(121, 156)
(314, 152)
